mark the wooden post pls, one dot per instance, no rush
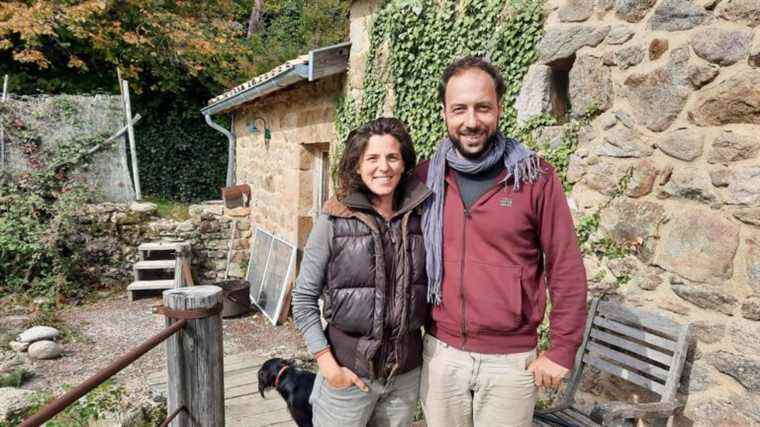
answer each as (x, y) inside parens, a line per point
(2, 128)
(194, 358)
(131, 136)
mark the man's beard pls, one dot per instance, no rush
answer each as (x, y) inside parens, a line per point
(473, 156)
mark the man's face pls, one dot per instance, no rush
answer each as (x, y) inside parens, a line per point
(471, 111)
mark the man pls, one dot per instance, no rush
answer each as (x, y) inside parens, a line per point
(498, 233)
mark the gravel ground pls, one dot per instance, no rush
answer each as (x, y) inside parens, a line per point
(111, 327)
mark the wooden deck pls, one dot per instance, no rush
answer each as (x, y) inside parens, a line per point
(242, 402)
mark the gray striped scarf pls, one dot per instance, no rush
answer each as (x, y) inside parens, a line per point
(519, 161)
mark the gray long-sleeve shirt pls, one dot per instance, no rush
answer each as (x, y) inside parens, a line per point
(309, 284)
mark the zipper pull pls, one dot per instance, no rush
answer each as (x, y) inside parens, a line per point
(466, 212)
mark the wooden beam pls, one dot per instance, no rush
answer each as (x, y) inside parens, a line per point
(132, 145)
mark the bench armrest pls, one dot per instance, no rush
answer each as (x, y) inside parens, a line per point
(606, 413)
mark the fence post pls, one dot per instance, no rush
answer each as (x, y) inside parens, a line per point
(194, 360)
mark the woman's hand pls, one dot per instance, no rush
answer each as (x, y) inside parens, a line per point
(338, 377)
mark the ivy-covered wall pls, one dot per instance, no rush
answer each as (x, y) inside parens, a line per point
(409, 43)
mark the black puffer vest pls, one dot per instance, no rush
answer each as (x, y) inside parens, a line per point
(376, 285)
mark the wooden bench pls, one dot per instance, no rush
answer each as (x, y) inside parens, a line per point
(638, 346)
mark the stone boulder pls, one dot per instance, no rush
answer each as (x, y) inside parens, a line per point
(677, 15)
(753, 264)
(708, 332)
(619, 34)
(745, 335)
(633, 224)
(38, 333)
(699, 245)
(733, 146)
(560, 44)
(18, 347)
(733, 100)
(706, 298)
(751, 309)
(744, 188)
(749, 216)
(589, 85)
(721, 177)
(663, 87)
(42, 350)
(14, 401)
(690, 184)
(745, 12)
(745, 370)
(628, 57)
(625, 141)
(682, 143)
(657, 47)
(537, 95)
(720, 45)
(576, 10)
(754, 53)
(632, 10)
(145, 208)
(701, 74)
(642, 179)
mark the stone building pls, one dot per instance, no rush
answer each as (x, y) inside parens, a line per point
(670, 167)
(282, 132)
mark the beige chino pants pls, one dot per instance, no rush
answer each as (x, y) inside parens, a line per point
(465, 389)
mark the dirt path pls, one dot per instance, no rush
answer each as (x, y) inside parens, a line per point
(109, 328)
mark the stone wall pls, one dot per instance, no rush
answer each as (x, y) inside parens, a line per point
(114, 231)
(282, 171)
(671, 167)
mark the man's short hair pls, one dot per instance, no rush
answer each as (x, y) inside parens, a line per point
(466, 63)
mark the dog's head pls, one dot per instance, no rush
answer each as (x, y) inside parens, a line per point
(268, 373)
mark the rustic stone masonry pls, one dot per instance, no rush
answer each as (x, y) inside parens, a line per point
(672, 167)
(116, 230)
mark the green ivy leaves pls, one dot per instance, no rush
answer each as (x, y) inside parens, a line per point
(412, 41)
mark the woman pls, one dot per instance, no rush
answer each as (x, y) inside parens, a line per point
(366, 255)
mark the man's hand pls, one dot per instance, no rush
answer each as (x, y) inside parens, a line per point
(547, 373)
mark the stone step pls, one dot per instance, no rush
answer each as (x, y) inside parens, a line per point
(161, 246)
(146, 285)
(155, 265)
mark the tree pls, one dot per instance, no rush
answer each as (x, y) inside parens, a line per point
(157, 44)
(254, 22)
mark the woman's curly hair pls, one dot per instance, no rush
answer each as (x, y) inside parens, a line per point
(349, 180)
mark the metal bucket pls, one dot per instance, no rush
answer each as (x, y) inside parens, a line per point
(236, 300)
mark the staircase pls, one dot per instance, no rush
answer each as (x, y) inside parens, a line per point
(162, 265)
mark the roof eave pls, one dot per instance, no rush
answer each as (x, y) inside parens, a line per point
(286, 78)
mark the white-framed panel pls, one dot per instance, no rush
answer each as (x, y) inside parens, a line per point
(270, 266)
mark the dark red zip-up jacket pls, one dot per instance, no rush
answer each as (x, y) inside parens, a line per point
(498, 258)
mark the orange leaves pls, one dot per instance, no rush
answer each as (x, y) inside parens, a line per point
(32, 56)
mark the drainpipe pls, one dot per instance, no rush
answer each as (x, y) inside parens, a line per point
(231, 151)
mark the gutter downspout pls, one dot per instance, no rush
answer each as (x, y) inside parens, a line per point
(231, 151)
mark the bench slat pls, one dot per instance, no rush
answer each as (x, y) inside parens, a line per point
(618, 357)
(637, 348)
(581, 416)
(574, 418)
(633, 316)
(624, 373)
(635, 333)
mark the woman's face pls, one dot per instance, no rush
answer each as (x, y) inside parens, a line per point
(381, 165)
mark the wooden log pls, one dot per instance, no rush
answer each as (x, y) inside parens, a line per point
(132, 145)
(195, 367)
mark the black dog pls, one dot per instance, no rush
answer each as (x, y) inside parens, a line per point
(293, 384)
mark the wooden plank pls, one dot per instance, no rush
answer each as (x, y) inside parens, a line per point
(574, 418)
(624, 374)
(155, 265)
(161, 246)
(328, 60)
(575, 378)
(637, 348)
(638, 334)
(131, 137)
(639, 365)
(142, 285)
(676, 368)
(641, 318)
(580, 416)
